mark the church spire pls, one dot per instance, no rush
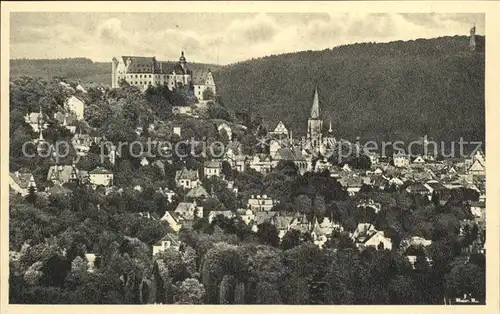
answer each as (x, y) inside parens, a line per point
(315, 106)
(330, 130)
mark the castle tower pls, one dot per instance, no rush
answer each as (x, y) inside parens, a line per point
(183, 62)
(314, 123)
(472, 39)
(114, 77)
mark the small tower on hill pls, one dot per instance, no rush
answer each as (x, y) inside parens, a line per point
(472, 38)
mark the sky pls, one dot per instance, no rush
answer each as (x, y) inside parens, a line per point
(220, 38)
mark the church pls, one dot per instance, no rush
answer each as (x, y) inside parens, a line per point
(143, 72)
(316, 142)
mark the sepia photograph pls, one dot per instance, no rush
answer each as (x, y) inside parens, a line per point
(246, 158)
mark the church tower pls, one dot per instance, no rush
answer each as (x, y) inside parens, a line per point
(314, 123)
(472, 39)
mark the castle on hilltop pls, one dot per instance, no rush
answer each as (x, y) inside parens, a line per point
(143, 72)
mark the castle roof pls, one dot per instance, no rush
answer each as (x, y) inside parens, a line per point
(151, 65)
(169, 67)
(139, 60)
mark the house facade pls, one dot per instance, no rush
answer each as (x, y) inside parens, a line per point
(261, 163)
(60, 174)
(75, 106)
(169, 241)
(212, 168)
(401, 160)
(21, 181)
(173, 220)
(186, 178)
(101, 176)
(261, 203)
(280, 129)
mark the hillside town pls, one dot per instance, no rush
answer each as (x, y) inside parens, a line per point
(231, 207)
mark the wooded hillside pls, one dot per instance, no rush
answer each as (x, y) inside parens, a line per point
(392, 90)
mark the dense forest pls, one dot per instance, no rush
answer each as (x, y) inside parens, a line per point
(396, 90)
(78, 69)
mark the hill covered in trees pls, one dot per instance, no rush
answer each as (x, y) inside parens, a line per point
(78, 69)
(74, 69)
(392, 91)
